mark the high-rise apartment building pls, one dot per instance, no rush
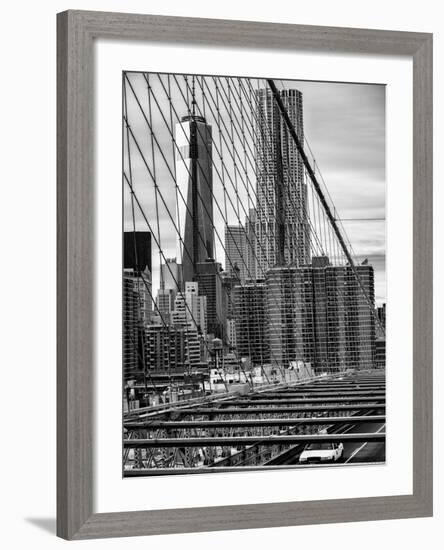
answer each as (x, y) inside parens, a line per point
(381, 316)
(380, 352)
(137, 299)
(137, 314)
(130, 342)
(342, 318)
(168, 348)
(289, 302)
(361, 319)
(195, 181)
(380, 336)
(282, 232)
(142, 285)
(251, 322)
(319, 315)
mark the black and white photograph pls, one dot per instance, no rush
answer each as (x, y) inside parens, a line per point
(253, 274)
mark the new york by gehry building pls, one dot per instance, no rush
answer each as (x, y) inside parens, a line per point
(281, 212)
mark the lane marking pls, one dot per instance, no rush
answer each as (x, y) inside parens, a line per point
(362, 446)
(348, 429)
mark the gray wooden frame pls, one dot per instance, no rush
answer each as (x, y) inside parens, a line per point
(76, 32)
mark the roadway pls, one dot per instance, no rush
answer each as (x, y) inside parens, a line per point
(368, 451)
(354, 451)
(198, 424)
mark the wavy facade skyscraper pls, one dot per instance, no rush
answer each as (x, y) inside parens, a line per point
(281, 219)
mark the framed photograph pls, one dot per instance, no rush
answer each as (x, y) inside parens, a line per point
(244, 275)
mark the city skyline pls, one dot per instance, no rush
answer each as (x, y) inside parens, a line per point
(285, 235)
(256, 299)
(345, 126)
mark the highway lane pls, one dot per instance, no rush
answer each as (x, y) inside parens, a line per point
(365, 452)
(368, 401)
(353, 452)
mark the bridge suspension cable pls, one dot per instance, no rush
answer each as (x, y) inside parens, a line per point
(217, 170)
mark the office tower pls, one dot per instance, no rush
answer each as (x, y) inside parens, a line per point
(190, 316)
(229, 281)
(171, 275)
(165, 304)
(170, 285)
(197, 306)
(190, 309)
(137, 251)
(208, 276)
(235, 251)
(251, 323)
(253, 271)
(137, 267)
(195, 181)
(282, 220)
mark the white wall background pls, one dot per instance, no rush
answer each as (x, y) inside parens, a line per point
(27, 300)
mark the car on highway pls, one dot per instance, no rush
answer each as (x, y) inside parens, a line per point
(321, 452)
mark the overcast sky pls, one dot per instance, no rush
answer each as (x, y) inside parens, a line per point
(345, 128)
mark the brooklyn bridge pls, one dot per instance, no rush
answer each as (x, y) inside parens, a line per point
(251, 334)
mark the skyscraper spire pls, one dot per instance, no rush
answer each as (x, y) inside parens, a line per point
(195, 181)
(193, 97)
